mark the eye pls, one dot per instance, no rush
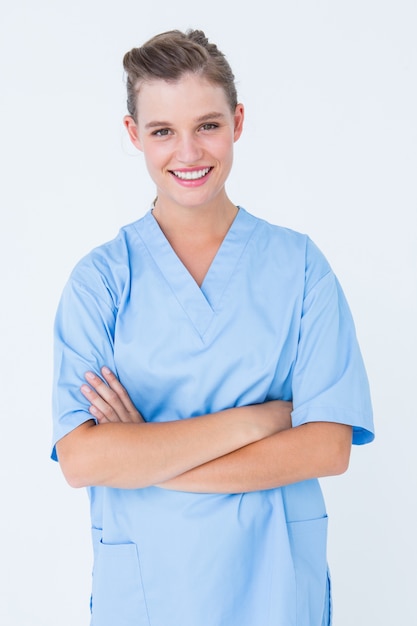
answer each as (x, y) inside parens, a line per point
(209, 126)
(162, 132)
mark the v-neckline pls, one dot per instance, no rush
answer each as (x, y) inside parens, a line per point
(199, 303)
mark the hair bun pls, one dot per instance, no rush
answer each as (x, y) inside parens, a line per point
(198, 36)
(170, 55)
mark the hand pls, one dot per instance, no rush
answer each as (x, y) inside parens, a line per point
(274, 416)
(110, 401)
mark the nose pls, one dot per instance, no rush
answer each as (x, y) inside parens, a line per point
(188, 150)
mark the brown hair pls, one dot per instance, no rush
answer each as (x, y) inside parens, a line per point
(169, 55)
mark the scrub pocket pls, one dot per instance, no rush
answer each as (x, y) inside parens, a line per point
(308, 540)
(117, 596)
(327, 617)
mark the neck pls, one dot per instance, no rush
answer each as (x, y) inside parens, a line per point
(195, 234)
(202, 223)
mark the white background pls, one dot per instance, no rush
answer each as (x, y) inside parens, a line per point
(329, 149)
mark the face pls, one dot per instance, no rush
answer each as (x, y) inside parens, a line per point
(186, 131)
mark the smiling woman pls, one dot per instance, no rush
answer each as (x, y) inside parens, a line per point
(207, 374)
(189, 155)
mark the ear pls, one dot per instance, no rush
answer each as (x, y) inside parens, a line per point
(239, 116)
(132, 131)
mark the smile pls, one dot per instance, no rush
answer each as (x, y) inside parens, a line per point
(191, 174)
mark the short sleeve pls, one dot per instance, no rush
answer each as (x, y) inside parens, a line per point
(329, 378)
(83, 340)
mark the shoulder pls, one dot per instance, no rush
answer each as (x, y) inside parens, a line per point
(294, 248)
(106, 269)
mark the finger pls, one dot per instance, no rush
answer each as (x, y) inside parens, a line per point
(115, 384)
(118, 388)
(108, 401)
(106, 393)
(98, 415)
(99, 404)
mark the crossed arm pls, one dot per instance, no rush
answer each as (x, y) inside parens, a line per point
(237, 450)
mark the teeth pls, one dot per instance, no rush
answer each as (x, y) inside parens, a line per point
(195, 175)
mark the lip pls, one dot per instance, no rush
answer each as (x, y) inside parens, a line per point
(191, 182)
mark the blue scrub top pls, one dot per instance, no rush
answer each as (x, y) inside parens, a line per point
(270, 321)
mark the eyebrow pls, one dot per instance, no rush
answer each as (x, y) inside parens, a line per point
(213, 115)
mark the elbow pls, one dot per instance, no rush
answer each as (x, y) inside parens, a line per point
(75, 480)
(340, 464)
(73, 452)
(71, 469)
(340, 453)
(332, 450)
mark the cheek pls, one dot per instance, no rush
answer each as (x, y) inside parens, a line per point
(154, 155)
(226, 151)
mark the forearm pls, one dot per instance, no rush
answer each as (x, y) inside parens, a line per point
(127, 455)
(309, 451)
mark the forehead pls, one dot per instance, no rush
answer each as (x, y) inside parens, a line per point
(190, 96)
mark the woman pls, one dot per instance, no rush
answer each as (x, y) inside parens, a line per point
(238, 383)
